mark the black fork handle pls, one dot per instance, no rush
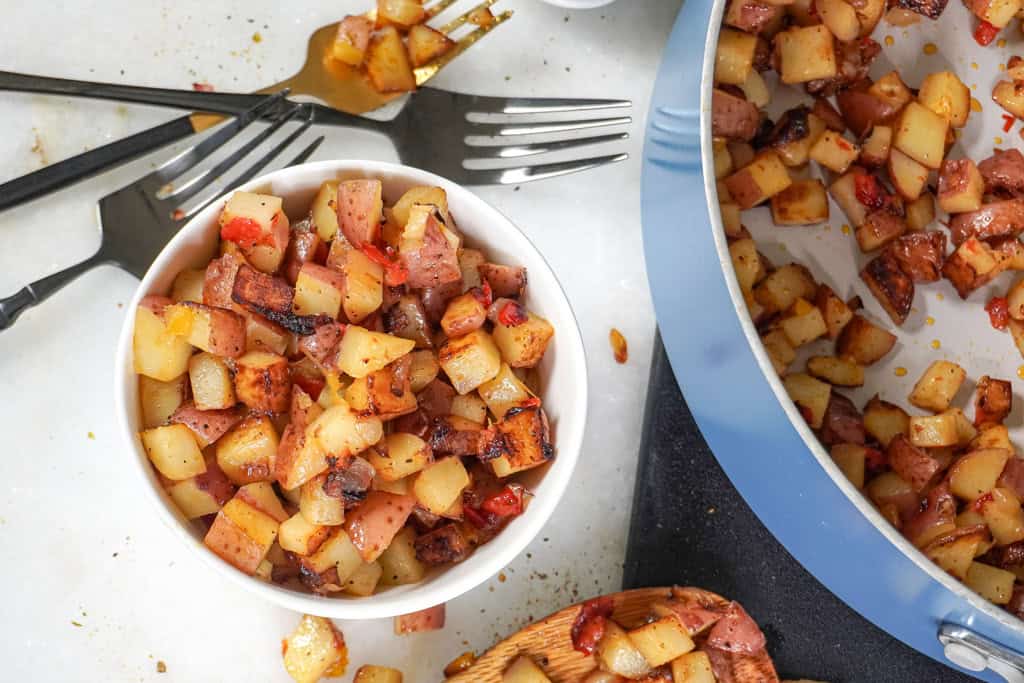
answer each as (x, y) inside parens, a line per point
(40, 290)
(223, 103)
(81, 166)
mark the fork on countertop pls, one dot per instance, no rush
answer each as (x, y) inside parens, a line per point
(138, 220)
(432, 131)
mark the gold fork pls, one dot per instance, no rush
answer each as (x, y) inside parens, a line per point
(348, 89)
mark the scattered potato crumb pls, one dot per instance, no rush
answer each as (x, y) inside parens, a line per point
(619, 346)
(889, 40)
(501, 577)
(1020, 371)
(257, 38)
(846, 229)
(901, 372)
(975, 104)
(997, 140)
(930, 48)
(75, 624)
(161, 668)
(91, 435)
(1001, 42)
(929, 320)
(936, 344)
(940, 296)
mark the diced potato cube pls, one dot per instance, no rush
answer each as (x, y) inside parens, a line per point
(160, 399)
(835, 311)
(864, 342)
(723, 160)
(463, 314)
(920, 133)
(524, 670)
(836, 371)
(440, 484)
(522, 345)
(475, 358)
(261, 496)
(313, 649)
(362, 351)
(908, 176)
(423, 194)
(503, 392)
(662, 641)
(263, 381)
(401, 455)
(364, 580)
(996, 12)
(364, 286)
(693, 667)
(937, 386)
(263, 335)
(779, 350)
(429, 619)
(746, 263)
(401, 13)
(844, 190)
(173, 451)
(203, 494)
(378, 674)
(992, 402)
(318, 289)
(947, 96)
(241, 535)
(784, 286)
(840, 18)
(731, 221)
(995, 436)
(802, 203)
(318, 507)
(758, 181)
(891, 89)
(527, 441)
(884, 421)
(933, 431)
(212, 386)
(955, 552)
(381, 394)
(920, 212)
(339, 552)
(806, 54)
(426, 44)
(351, 40)
(246, 453)
(341, 433)
(734, 58)
(833, 151)
(1004, 516)
(803, 323)
(324, 211)
(964, 429)
(960, 186)
(157, 352)
(976, 473)
(470, 407)
(297, 535)
(387, 63)
(850, 458)
(617, 654)
(991, 583)
(188, 285)
(875, 150)
(399, 563)
(1010, 97)
(373, 524)
(810, 395)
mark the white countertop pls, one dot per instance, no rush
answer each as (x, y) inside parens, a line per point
(95, 587)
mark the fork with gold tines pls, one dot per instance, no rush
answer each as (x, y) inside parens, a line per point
(342, 90)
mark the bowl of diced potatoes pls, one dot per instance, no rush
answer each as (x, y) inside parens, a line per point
(352, 387)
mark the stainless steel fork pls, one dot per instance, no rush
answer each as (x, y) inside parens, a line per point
(432, 131)
(139, 219)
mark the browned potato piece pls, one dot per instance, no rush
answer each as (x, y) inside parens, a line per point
(992, 402)
(972, 265)
(839, 18)
(934, 431)
(212, 386)
(920, 133)
(400, 13)
(843, 190)
(836, 371)
(960, 186)
(810, 395)
(955, 552)
(976, 473)
(379, 674)
(802, 203)
(884, 421)
(173, 451)
(835, 311)
(206, 425)
(908, 176)
(803, 323)
(386, 393)
(780, 351)
(920, 212)
(1009, 96)
(387, 63)
(522, 345)
(216, 330)
(781, 288)
(318, 289)
(263, 382)
(160, 399)
(313, 649)
(464, 314)
(920, 254)
(527, 441)
(426, 44)
(912, 464)
(875, 150)
(832, 150)
(893, 288)
(878, 229)
(734, 57)
(891, 89)
(806, 54)
(241, 535)
(947, 96)
(351, 40)
(246, 454)
(937, 386)
(864, 342)
(760, 180)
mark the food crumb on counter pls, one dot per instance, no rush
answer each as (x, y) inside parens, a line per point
(929, 320)
(75, 624)
(930, 48)
(936, 344)
(202, 87)
(1020, 371)
(502, 578)
(889, 40)
(257, 37)
(1001, 42)
(619, 346)
(846, 229)
(161, 667)
(91, 436)
(900, 372)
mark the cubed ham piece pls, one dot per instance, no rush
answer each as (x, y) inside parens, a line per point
(995, 219)
(1004, 173)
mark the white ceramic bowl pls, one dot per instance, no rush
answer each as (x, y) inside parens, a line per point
(563, 371)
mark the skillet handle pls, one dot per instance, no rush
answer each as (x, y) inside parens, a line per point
(974, 652)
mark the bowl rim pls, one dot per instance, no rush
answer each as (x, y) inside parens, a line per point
(388, 603)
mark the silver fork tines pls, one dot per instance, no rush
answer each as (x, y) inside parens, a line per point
(139, 219)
